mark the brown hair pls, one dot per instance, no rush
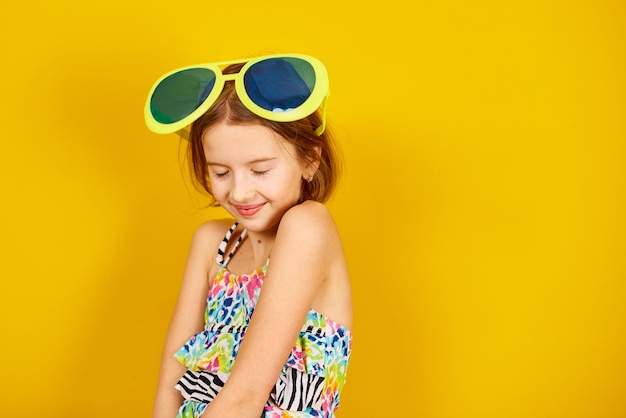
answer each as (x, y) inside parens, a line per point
(228, 108)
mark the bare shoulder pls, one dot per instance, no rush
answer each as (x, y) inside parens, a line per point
(309, 230)
(311, 233)
(212, 229)
(206, 240)
(310, 218)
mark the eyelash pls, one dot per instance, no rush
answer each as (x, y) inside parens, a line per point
(254, 173)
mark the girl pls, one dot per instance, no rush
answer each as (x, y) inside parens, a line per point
(258, 145)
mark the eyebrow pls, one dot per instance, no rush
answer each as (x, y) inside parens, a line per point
(258, 160)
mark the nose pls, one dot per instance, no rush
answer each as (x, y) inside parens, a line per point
(241, 190)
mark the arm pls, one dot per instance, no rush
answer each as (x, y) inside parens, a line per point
(299, 264)
(187, 318)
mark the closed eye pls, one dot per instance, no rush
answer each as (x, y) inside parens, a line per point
(220, 174)
(259, 173)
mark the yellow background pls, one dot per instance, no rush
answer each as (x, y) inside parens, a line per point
(482, 206)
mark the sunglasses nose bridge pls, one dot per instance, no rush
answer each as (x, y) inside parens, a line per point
(230, 77)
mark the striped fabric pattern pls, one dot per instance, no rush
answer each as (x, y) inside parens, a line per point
(201, 386)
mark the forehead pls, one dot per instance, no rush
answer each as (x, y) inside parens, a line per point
(231, 141)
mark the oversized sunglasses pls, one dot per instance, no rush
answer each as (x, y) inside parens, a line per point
(281, 88)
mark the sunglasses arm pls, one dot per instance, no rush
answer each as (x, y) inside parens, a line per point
(320, 129)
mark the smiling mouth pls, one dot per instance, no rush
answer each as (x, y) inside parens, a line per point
(249, 210)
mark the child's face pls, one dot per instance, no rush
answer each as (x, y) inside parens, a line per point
(254, 173)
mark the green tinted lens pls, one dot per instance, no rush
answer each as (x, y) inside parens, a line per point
(179, 94)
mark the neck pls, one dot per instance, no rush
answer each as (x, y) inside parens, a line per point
(260, 246)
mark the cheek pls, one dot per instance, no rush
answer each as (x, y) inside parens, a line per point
(296, 187)
(218, 188)
(284, 188)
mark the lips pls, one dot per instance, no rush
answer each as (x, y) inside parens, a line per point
(249, 210)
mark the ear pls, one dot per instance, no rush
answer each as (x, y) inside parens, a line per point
(311, 167)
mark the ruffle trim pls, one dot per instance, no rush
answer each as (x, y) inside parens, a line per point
(216, 348)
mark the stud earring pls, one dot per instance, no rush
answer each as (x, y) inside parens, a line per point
(310, 179)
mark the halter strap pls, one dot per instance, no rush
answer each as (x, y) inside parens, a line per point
(222, 248)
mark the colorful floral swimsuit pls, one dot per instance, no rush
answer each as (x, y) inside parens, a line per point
(310, 382)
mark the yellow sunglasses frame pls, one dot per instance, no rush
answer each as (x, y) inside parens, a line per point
(317, 98)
